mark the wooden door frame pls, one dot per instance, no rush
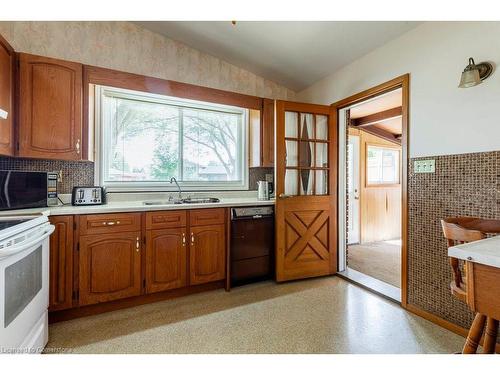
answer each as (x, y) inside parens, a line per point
(402, 82)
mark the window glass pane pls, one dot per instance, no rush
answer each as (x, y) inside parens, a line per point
(306, 182)
(139, 138)
(321, 182)
(321, 127)
(291, 153)
(322, 155)
(291, 181)
(306, 126)
(382, 165)
(209, 146)
(146, 139)
(306, 154)
(291, 125)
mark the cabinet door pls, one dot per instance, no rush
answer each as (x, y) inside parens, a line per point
(267, 133)
(61, 263)
(207, 254)
(165, 259)
(50, 108)
(110, 267)
(7, 64)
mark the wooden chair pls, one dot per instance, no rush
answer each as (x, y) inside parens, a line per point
(459, 230)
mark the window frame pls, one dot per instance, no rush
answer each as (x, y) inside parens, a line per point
(382, 184)
(165, 186)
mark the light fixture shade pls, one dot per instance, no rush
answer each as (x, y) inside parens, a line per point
(469, 78)
(474, 74)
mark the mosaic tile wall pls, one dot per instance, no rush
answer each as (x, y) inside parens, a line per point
(74, 173)
(81, 173)
(463, 185)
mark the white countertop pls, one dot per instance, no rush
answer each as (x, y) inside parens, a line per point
(485, 251)
(134, 206)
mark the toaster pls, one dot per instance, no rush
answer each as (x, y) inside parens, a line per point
(88, 195)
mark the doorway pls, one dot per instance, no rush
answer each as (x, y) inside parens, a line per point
(372, 188)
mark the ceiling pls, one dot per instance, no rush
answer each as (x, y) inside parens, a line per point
(378, 104)
(294, 54)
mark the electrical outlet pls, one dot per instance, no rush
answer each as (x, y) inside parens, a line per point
(424, 166)
(269, 177)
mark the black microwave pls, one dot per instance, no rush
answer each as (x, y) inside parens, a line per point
(20, 189)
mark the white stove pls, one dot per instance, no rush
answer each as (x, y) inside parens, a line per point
(24, 283)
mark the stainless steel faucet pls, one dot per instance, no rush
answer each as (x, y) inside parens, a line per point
(173, 180)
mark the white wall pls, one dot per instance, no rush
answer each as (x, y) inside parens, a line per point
(443, 118)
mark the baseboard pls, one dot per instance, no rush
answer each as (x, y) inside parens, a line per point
(443, 323)
(437, 320)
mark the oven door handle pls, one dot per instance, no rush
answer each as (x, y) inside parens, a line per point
(26, 245)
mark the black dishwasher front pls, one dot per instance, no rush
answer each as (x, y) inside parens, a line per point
(252, 244)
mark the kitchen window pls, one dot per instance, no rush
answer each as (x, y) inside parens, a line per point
(382, 165)
(145, 139)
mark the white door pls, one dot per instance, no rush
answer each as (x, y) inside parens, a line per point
(353, 189)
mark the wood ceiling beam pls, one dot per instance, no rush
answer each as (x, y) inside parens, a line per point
(374, 118)
(376, 131)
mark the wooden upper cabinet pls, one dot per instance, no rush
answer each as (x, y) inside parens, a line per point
(166, 259)
(207, 260)
(50, 108)
(267, 133)
(7, 68)
(110, 267)
(61, 263)
(261, 124)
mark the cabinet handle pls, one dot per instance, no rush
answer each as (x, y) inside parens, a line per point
(111, 223)
(183, 239)
(192, 237)
(137, 244)
(77, 146)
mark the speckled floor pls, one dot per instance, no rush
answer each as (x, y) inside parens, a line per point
(325, 315)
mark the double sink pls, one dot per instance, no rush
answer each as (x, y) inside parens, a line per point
(187, 200)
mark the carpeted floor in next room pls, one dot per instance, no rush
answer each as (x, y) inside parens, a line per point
(381, 260)
(323, 315)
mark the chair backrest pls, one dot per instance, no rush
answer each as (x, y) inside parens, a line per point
(456, 234)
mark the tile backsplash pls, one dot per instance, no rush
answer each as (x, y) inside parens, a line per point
(74, 173)
(81, 173)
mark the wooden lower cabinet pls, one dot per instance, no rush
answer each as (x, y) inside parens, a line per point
(61, 264)
(166, 259)
(110, 267)
(207, 255)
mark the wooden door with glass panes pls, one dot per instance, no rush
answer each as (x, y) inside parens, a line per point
(306, 191)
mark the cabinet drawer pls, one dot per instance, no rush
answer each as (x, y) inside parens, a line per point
(207, 216)
(165, 219)
(109, 223)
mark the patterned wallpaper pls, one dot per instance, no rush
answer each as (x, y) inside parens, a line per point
(128, 47)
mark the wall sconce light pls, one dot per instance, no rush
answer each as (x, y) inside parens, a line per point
(474, 74)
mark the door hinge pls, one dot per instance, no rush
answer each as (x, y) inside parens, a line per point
(144, 240)
(17, 146)
(76, 295)
(74, 225)
(78, 246)
(144, 283)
